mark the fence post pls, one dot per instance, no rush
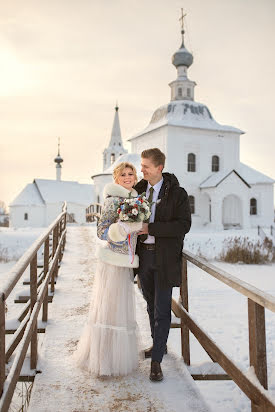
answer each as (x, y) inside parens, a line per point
(257, 343)
(46, 269)
(185, 345)
(2, 343)
(33, 293)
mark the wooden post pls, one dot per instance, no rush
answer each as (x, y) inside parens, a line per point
(33, 294)
(46, 269)
(185, 345)
(2, 343)
(257, 343)
(54, 241)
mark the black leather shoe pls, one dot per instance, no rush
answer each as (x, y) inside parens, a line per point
(148, 352)
(156, 372)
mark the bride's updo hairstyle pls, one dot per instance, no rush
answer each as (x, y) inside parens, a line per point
(118, 170)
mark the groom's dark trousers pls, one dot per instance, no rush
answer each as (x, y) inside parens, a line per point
(158, 301)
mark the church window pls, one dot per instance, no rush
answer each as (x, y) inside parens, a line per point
(215, 163)
(192, 204)
(191, 167)
(112, 158)
(188, 92)
(253, 206)
(26, 217)
(180, 92)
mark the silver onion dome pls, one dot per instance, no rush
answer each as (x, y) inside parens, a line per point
(182, 57)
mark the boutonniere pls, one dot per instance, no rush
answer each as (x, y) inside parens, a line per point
(158, 202)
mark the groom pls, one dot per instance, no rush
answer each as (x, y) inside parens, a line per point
(159, 248)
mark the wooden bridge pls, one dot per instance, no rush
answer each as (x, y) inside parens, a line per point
(60, 292)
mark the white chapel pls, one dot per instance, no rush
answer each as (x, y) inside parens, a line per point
(205, 157)
(40, 202)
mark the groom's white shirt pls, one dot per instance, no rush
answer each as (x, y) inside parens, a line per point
(156, 187)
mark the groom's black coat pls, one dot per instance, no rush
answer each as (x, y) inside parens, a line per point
(172, 222)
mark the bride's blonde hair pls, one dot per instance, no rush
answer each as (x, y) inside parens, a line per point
(119, 169)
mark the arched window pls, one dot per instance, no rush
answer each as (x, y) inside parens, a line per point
(192, 204)
(26, 217)
(215, 163)
(179, 92)
(112, 158)
(253, 206)
(191, 160)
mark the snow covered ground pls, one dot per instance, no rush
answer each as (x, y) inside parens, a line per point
(218, 309)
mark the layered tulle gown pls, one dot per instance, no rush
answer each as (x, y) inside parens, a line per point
(108, 343)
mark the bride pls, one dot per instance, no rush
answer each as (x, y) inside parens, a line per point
(108, 344)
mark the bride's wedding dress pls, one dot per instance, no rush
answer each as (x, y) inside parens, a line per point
(108, 344)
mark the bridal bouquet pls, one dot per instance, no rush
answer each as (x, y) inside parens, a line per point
(134, 209)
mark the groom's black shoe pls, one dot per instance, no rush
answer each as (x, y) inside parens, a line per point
(156, 372)
(148, 352)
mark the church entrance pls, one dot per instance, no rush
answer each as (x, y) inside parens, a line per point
(232, 212)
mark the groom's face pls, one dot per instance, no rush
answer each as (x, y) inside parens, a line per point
(151, 172)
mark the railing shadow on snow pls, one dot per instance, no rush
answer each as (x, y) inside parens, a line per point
(255, 387)
(26, 333)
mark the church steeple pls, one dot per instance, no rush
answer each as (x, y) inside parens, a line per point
(115, 148)
(58, 160)
(182, 88)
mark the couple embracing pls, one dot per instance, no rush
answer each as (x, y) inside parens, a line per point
(152, 250)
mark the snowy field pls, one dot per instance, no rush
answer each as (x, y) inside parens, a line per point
(217, 308)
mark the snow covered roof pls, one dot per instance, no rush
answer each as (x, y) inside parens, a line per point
(28, 196)
(43, 191)
(133, 158)
(248, 175)
(185, 113)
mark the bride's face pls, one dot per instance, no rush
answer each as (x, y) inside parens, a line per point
(127, 178)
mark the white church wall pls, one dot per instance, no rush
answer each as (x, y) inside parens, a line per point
(155, 138)
(204, 144)
(27, 216)
(231, 150)
(263, 193)
(52, 211)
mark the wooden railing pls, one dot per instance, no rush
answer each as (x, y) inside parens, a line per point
(26, 332)
(93, 212)
(258, 300)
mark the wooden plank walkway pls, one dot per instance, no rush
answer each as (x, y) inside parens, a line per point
(62, 387)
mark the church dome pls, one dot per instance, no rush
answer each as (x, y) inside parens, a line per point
(182, 57)
(58, 159)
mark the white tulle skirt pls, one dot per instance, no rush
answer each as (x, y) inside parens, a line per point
(108, 344)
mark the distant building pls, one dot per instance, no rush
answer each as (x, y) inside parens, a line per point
(40, 202)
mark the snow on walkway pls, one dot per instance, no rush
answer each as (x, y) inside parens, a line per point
(63, 387)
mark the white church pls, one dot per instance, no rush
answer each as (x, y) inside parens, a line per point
(203, 154)
(41, 201)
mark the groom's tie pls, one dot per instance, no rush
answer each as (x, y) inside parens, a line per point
(150, 199)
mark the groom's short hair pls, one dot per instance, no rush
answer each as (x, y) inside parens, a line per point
(158, 158)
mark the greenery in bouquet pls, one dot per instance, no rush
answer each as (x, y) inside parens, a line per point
(134, 209)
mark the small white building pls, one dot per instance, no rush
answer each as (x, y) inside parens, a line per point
(40, 202)
(205, 156)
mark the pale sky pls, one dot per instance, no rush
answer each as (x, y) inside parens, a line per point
(64, 63)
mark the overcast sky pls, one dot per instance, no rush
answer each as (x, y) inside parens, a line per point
(64, 63)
